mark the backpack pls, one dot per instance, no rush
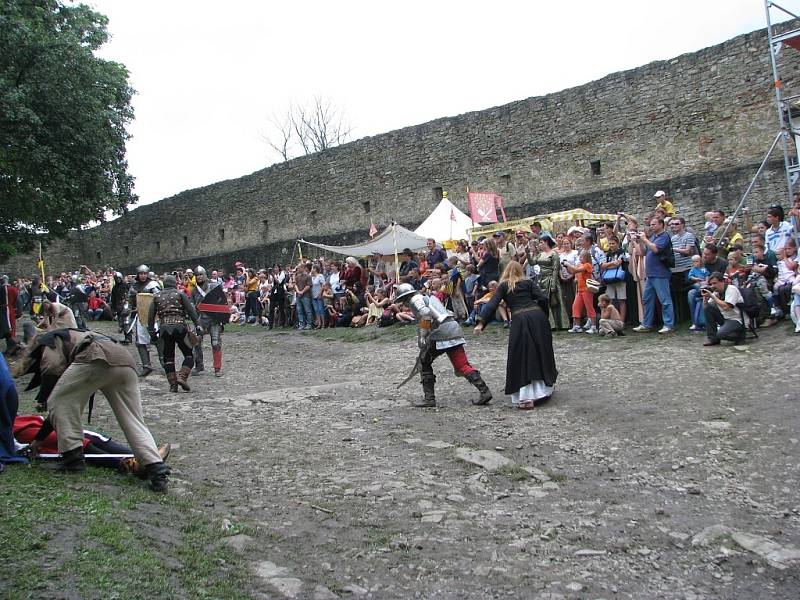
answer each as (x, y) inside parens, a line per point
(667, 256)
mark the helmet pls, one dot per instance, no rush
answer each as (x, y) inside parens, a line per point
(118, 276)
(76, 278)
(142, 269)
(404, 292)
(152, 275)
(170, 281)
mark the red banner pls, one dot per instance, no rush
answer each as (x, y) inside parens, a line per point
(483, 206)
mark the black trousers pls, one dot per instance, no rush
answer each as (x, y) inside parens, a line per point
(169, 339)
(720, 328)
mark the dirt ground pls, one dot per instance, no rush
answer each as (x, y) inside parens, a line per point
(660, 469)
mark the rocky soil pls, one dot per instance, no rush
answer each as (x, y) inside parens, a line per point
(660, 469)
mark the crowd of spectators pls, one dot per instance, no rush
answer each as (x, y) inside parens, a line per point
(653, 272)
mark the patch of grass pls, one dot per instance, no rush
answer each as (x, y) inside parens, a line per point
(378, 538)
(557, 477)
(514, 472)
(107, 536)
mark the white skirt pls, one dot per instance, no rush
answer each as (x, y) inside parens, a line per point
(535, 390)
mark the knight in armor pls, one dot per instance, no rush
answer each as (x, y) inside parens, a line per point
(143, 284)
(438, 333)
(78, 301)
(119, 293)
(172, 307)
(211, 323)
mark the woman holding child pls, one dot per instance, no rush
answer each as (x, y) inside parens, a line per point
(531, 365)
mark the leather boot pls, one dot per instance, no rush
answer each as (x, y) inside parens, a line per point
(72, 461)
(144, 356)
(183, 375)
(132, 466)
(172, 378)
(217, 354)
(429, 397)
(158, 474)
(198, 357)
(486, 395)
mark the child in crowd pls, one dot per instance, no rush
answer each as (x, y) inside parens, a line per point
(610, 320)
(710, 228)
(235, 314)
(584, 301)
(377, 302)
(437, 290)
(697, 277)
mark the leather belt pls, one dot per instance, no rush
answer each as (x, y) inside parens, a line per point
(525, 310)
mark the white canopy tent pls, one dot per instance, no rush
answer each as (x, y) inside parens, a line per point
(393, 237)
(446, 222)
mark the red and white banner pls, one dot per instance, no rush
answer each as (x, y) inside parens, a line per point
(483, 206)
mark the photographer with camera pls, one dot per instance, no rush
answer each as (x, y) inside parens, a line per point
(721, 307)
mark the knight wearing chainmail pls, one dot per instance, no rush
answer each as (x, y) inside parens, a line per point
(78, 301)
(211, 323)
(438, 333)
(172, 307)
(143, 284)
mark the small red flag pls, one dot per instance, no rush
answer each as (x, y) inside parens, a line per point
(372, 229)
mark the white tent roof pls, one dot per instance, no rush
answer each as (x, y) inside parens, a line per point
(384, 243)
(441, 227)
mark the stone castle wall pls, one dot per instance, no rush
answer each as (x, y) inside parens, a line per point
(697, 126)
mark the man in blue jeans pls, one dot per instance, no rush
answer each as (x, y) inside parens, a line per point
(657, 272)
(305, 314)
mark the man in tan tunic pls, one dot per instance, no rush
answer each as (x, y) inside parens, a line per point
(77, 364)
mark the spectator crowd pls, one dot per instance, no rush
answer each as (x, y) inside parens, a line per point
(652, 272)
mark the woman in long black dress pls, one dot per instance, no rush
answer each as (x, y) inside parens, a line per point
(531, 366)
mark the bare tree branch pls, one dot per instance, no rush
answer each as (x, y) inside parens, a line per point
(313, 127)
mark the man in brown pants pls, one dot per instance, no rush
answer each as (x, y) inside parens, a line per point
(74, 365)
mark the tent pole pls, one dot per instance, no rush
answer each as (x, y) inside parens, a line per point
(396, 259)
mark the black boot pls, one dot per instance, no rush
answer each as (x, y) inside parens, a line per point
(71, 462)
(429, 396)
(486, 395)
(158, 474)
(198, 357)
(144, 356)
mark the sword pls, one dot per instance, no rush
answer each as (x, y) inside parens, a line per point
(414, 371)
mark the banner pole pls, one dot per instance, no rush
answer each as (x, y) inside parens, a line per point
(396, 258)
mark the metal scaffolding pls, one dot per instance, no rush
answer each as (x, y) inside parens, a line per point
(786, 103)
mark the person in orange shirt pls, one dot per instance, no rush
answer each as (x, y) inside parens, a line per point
(583, 297)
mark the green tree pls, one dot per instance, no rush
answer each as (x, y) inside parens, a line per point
(63, 113)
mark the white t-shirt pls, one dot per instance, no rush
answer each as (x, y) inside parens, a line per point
(733, 297)
(776, 239)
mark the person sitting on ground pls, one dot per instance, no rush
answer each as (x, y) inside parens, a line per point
(470, 286)
(722, 313)
(235, 314)
(501, 314)
(779, 232)
(96, 306)
(611, 323)
(377, 303)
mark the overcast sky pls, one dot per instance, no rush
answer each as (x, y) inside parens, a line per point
(209, 75)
